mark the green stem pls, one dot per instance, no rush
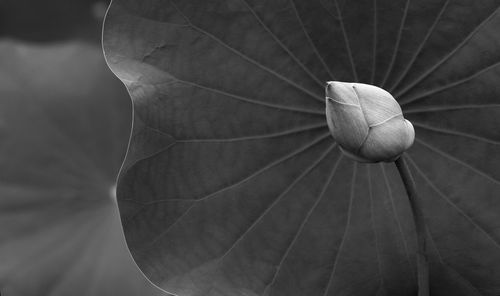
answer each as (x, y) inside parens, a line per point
(418, 218)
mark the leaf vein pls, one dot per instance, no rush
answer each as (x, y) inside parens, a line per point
(303, 223)
(449, 108)
(311, 43)
(455, 133)
(395, 213)
(344, 235)
(277, 200)
(450, 157)
(246, 179)
(280, 43)
(396, 46)
(246, 57)
(420, 47)
(447, 86)
(245, 99)
(447, 56)
(454, 205)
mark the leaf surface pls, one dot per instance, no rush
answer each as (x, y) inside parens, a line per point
(233, 186)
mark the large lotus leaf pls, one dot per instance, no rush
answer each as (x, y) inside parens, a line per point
(64, 126)
(233, 185)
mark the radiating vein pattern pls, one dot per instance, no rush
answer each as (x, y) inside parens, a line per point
(233, 184)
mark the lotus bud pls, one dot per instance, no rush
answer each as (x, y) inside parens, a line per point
(367, 122)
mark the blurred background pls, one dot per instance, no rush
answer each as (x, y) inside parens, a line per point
(52, 20)
(64, 126)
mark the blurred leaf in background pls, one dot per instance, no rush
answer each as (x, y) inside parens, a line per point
(64, 127)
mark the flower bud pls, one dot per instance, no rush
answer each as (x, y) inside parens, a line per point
(367, 122)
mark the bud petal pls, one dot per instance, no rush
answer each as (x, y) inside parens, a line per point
(410, 136)
(367, 122)
(344, 116)
(377, 104)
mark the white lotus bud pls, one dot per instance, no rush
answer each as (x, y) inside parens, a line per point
(367, 122)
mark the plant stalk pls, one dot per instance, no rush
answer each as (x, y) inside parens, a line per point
(418, 218)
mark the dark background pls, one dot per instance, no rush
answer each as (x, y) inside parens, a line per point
(52, 20)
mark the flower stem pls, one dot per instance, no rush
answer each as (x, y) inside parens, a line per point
(418, 218)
